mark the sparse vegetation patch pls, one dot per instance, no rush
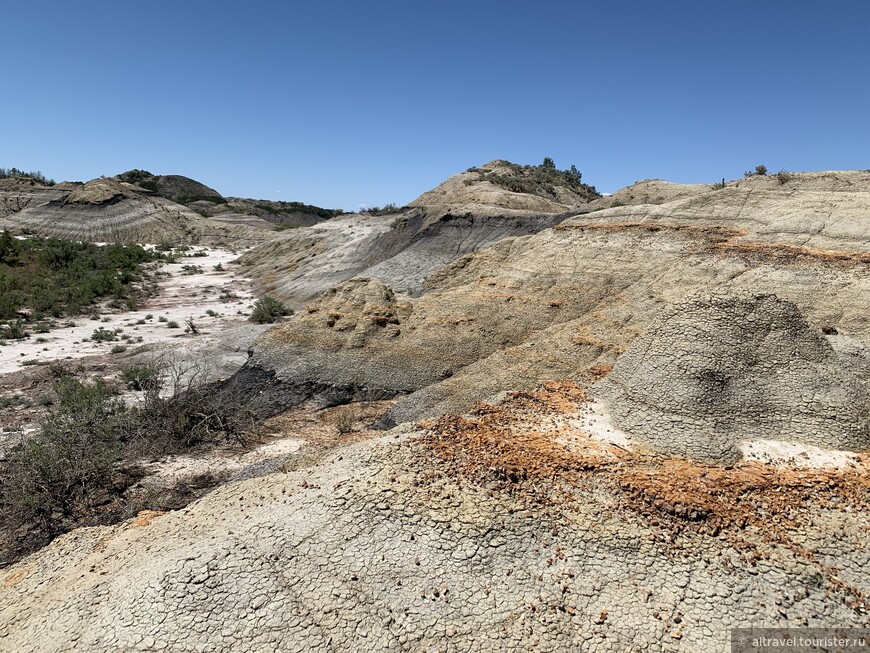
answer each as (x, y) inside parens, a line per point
(35, 175)
(540, 180)
(268, 309)
(386, 209)
(76, 468)
(46, 277)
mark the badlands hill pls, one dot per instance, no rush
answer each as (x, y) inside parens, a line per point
(235, 210)
(556, 303)
(138, 206)
(19, 193)
(507, 186)
(173, 187)
(615, 424)
(108, 210)
(467, 212)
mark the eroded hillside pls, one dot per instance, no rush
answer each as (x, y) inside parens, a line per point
(108, 210)
(623, 423)
(553, 304)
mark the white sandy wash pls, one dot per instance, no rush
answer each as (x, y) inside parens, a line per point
(224, 292)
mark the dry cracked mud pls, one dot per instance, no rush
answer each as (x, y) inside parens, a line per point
(507, 530)
(623, 425)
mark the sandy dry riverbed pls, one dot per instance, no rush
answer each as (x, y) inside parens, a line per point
(214, 300)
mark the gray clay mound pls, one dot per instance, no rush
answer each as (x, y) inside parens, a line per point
(713, 372)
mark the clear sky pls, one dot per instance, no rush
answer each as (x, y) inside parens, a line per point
(343, 103)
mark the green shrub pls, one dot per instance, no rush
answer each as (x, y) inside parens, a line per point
(386, 209)
(268, 310)
(542, 180)
(103, 334)
(71, 455)
(760, 171)
(172, 324)
(142, 377)
(35, 175)
(10, 249)
(53, 277)
(86, 452)
(14, 331)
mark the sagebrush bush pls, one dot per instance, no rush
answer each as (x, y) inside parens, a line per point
(71, 456)
(141, 377)
(13, 330)
(80, 457)
(267, 310)
(102, 334)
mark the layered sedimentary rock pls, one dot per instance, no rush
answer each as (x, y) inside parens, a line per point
(19, 193)
(108, 210)
(399, 249)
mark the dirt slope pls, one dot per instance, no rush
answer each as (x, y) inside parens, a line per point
(555, 303)
(466, 213)
(650, 191)
(401, 249)
(456, 537)
(19, 193)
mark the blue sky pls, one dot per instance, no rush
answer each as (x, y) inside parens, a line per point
(341, 103)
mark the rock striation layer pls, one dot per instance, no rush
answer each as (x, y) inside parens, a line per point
(108, 210)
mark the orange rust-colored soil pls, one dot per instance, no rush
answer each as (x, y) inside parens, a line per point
(521, 445)
(750, 493)
(508, 442)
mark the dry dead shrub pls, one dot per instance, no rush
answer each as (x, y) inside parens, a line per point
(345, 419)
